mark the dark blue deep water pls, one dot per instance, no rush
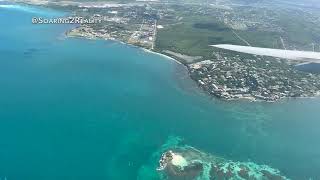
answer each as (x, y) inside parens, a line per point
(82, 109)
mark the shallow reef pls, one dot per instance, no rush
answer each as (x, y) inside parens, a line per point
(177, 161)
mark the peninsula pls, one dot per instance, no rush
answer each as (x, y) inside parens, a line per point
(185, 31)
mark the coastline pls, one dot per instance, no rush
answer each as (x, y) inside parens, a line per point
(112, 103)
(125, 43)
(248, 99)
(160, 54)
(170, 57)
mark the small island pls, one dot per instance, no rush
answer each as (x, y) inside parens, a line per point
(188, 163)
(176, 160)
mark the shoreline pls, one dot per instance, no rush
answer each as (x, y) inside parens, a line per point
(169, 57)
(248, 99)
(125, 43)
(160, 54)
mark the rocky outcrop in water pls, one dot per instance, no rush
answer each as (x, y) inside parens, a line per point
(187, 163)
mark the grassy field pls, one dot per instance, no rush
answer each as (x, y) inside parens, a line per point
(193, 37)
(300, 32)
(193, 34)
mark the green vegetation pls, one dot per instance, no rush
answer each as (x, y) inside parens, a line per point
(193, 38)
(261, 38)
(185, 32)
(299, 31)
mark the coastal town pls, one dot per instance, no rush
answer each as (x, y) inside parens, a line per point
(251, 78)
(173, 29)
(138, 26)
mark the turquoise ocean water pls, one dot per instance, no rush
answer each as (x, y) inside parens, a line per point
(82, 109)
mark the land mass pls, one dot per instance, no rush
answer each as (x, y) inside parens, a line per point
(184, 30)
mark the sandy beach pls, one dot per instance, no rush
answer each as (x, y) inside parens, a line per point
(163, 55)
